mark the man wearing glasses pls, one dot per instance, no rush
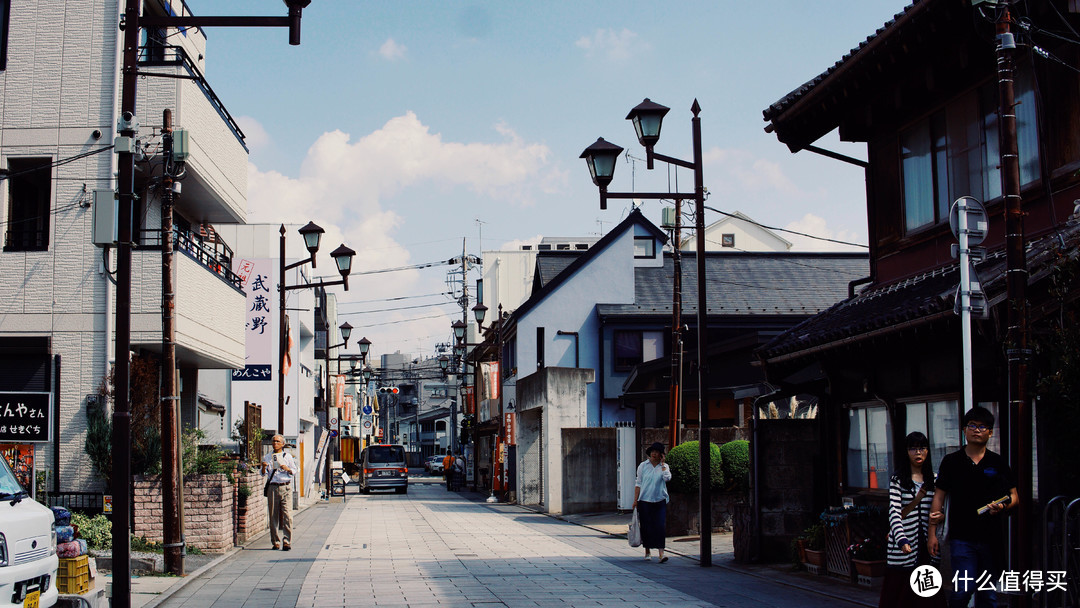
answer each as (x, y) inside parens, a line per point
(981, 488)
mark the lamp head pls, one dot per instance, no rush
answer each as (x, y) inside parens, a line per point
(312, 234)
(479, 312)
(364, 345)
(647, 118)
(601, 157)
(367, 374)
(459, 351)
(352, 363)
(444, 362)
(459, 330)
(346, 331)
(343, 258)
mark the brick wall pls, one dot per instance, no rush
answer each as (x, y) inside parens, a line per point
(253, 518)
(208, 511)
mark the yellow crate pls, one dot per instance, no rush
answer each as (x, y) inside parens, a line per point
(73, 566)
(74, 584)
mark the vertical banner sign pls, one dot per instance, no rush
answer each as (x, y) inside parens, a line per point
(261, 317)
(508, 424)
(347, 409)
(339, 394)
(20, 457)
(469, 395)
(25, 417)
(489, 376)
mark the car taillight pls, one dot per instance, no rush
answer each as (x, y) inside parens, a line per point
(368, 471)
(403, 470)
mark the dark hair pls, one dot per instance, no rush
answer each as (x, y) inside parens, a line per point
(903, 465)
(980, 415)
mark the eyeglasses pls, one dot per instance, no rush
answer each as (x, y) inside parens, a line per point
(917, 450)
(977, 428)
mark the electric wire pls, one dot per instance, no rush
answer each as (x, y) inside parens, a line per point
(810, 236)
(426, 295)
(366, 312)
(380, 324)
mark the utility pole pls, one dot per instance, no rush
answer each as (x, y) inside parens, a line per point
(172, 501)
(675, 396)
(1016, 288)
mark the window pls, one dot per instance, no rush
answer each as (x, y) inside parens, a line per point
(940, 422)
(634, 347)
(29, 193)
(644, 247)
(869, 451)
(954, 152)
(727, 240)
(5, 10)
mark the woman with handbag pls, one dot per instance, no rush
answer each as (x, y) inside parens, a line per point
(911, 491)
(650, 500)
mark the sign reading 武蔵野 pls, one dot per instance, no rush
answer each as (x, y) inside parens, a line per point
(25, 417)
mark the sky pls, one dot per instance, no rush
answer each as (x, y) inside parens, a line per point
(411, 129)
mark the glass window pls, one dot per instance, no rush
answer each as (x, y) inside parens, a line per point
(5, 9)
(727, 240)
(644, 247)
(628, 349)
(652, 346)
(869, 453)
(940, 422)
(29, 196)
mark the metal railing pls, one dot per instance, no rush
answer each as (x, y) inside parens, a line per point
(170, 55)
(89, 503)
(215, 257)
(1061, 550)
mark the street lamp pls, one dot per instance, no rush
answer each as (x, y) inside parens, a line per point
(312, 234)
(600, 156)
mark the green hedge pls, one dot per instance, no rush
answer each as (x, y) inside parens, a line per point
(685, 472)
(736, 458)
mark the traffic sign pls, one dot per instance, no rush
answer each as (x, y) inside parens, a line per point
(367, 424)
(367, 410)
(334, 424)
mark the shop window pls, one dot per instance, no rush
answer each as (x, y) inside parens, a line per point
(869, 451)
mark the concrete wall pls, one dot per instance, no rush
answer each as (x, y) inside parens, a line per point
(550, 400)
(590, 474)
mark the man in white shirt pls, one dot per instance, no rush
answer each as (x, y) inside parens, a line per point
(280, 468)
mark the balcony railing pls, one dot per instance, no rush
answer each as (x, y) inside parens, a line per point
(204, 247)
(161, 55)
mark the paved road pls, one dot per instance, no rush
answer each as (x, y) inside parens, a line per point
(437, 548)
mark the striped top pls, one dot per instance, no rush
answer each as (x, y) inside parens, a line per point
(909, 530)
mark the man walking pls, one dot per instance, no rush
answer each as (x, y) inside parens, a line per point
(280, 468)
(981, 489)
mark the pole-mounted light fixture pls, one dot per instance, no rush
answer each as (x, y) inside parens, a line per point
(647, 117)
(312, 234)
(346, 331)
(343, 257)
(601, 157)
(459, 330)
(444, 362)
(365, 346)
(480, 312)
(367, 374)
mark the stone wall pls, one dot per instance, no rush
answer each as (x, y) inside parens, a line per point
(252, 517)
(208, 511)
(684, 512)
(791, 474)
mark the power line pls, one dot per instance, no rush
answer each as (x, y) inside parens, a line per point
(438, 316)
(427, 295)
(364, 312)
(810, 236)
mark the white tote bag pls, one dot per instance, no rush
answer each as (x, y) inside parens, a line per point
(634, 533)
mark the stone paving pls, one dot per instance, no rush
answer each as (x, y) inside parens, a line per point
(437, 548)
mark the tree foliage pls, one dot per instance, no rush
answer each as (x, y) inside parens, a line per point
(735, 456)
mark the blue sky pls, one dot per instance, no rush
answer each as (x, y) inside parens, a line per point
(397, 125)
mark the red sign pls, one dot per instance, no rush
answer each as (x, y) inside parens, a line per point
(508, 428)
(468, 394)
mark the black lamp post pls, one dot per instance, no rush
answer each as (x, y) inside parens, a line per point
(601, 156)
(343, 256)
(131, 23)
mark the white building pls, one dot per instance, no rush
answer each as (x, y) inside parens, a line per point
(59, 87)
(736, 232)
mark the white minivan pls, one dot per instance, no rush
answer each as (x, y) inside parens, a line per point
(27, 547)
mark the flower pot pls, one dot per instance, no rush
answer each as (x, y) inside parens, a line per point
(800, 545)
(873, 568)
(815, 557)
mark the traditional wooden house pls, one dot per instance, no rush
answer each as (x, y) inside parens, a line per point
(922, 93)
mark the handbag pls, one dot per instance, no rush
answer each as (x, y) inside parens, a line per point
(266, 488)
(633, 535)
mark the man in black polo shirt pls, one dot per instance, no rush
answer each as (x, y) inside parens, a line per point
(976, 480)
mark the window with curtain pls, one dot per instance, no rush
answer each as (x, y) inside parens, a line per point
(628, 350)
(869, 450)
(954, 152)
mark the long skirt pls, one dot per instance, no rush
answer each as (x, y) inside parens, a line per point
(653, 519)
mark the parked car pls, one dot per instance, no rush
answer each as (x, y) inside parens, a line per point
(28, 559)
(433, 465)
(383, 467)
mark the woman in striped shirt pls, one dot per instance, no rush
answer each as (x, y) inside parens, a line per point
(911, 490)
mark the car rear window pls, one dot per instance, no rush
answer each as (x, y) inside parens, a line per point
(386, 453)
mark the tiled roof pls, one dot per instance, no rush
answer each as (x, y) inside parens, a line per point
(550, 263)
(920, 299)
(747, 283)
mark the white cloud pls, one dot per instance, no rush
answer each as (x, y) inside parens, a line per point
(392, 51)
(615, 46)
(816, 226)
(741, 170)
(255, 136)
(347, 186)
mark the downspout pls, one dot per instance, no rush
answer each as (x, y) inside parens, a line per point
(852, 284)
(110, 318)
(600, 371)
(56, 427)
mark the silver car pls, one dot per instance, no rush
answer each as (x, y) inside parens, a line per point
(383, 467)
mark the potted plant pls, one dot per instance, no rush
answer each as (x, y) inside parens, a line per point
(868, 555)
(814, 546)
